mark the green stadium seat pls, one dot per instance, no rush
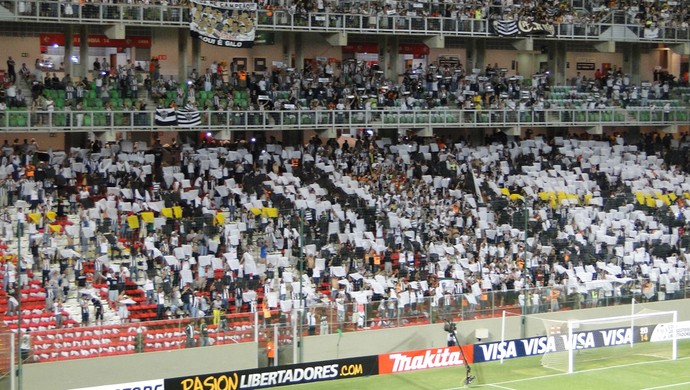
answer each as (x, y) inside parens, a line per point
(59, 119)
(22, 120)
(99, 119)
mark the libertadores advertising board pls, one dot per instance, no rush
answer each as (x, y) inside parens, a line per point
(422, 359)
(278, 376)
(268, 377)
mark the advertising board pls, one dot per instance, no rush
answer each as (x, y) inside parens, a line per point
(155, 384)
(664, 331)
(278, 376)
(532, 346)
(424, 359)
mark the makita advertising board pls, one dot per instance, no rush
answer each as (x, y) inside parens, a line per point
(424, 359)
(532, 346)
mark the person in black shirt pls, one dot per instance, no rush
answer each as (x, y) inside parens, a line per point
(113, 291)
(203, 334)
(98, 310)
(11, 74)
(55, 82)
(186, 297)
(189, 333)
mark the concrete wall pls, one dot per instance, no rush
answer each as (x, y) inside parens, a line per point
(399, 339)
(428, 336)
(158, 365)
(615, 59)
(131, 368)
(45, 141)
(535, 325)
(165, 42)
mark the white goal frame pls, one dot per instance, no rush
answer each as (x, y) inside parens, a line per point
(631, 318)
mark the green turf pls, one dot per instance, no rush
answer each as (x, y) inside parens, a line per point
(618, 368)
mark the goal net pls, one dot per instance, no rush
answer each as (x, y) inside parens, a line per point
(603, 342)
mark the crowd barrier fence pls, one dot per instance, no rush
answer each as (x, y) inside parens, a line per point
(76, 342)
(14, 120)
(615, 25)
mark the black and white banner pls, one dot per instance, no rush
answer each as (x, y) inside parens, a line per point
(166, 117)
(188, 116)
(509, 28)
(223, 24)
(506, 28)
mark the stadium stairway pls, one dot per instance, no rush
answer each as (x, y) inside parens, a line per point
(6, 14)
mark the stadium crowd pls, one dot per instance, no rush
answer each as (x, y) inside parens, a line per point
(647, 14)
(401, 217)
(332, 87)
(357, 85)
(390, 223)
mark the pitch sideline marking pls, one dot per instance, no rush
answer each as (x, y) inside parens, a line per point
(588, 370)
(501, 387)
(654, 355)
(667, 386)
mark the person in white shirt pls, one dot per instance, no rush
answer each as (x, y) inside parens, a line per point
(160, 303)
(11, 95)
(311, 322)
(148, 289)
(12, 306)
(536, 302)
(451, 340)
(58, 314)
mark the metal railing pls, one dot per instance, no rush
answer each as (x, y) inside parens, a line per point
(119, 339)
(78, 342)
(443, 117)
(490, 304)
(337, 311)
(283, 20)
(95, 13)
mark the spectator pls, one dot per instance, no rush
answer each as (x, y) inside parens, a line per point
(203, 333)
(84, 303)
(270, 352)
(98, 310)
(189, 332)
(11, 72)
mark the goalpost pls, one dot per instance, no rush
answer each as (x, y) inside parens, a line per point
(601, 342)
